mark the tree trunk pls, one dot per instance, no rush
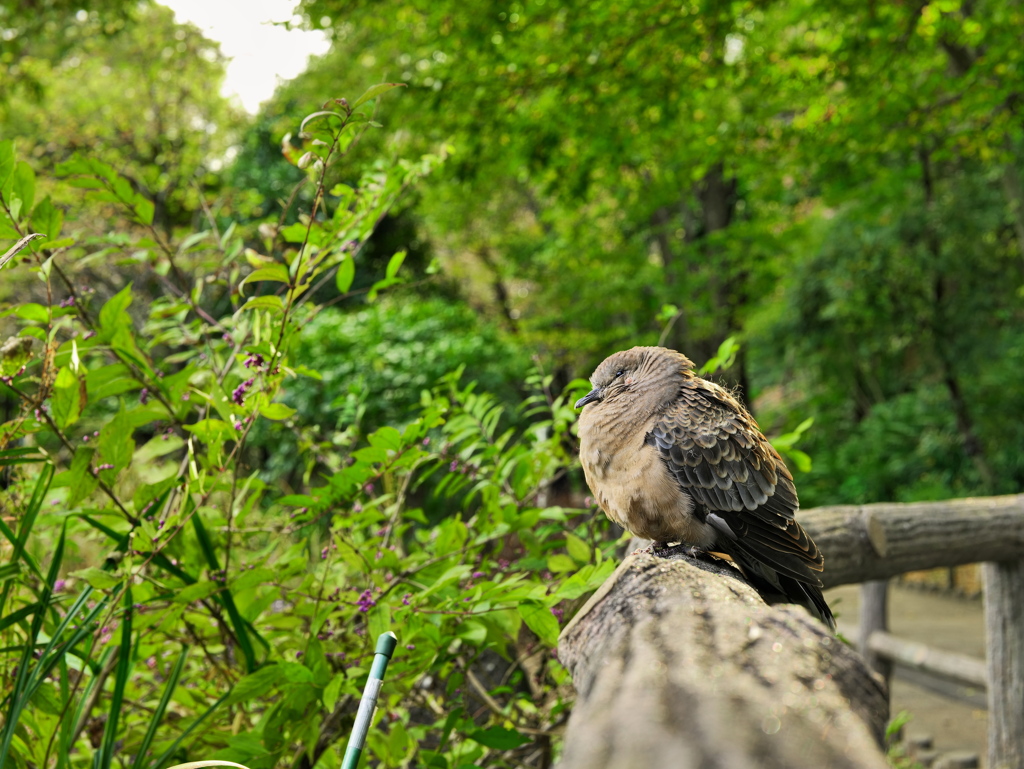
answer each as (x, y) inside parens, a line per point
(678, 662)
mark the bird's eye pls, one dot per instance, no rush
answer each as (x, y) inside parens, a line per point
(619, 373)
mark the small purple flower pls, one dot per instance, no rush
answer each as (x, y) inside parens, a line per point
(426, 441)
(69, 302)
(298, 655)
(58, 585)
(559, 613)
(85, 439)
(410, 647)
(186, 396)
(239, 426)
(227, 338)
(405, 599)
(368, 488)
(453, 466)
(144, 396)
(478, 574)
(255, 360)
(365, 600)
(503, 563)
(238, 396)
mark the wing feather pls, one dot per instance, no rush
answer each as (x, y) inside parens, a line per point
(718, 456)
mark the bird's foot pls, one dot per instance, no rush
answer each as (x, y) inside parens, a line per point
(666, 549)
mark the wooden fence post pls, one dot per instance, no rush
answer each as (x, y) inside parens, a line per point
(1004, 624)
(874, 615)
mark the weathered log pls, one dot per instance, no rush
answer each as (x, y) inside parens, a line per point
(1004, 624)
(678, 662)
(868, 542)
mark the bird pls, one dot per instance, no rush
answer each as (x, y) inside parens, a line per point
(672, 457)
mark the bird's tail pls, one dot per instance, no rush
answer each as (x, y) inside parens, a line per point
(775, 587)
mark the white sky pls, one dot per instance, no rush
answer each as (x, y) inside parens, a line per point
(261, 54)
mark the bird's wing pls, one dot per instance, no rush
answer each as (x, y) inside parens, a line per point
(737, 479)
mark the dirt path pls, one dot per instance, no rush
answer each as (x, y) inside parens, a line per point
(946, 622)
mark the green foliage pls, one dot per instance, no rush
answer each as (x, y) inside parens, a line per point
(374, 364)
(194, 608)
(219, 381)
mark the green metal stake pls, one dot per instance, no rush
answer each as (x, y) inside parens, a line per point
(386, 643)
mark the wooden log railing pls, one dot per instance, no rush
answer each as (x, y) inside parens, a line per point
(678, 662)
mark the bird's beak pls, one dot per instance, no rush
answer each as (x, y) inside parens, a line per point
(593, 395)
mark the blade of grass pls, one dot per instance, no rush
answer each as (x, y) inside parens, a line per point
(124, 669)
(25, 557)
(22, 689)
(224, 595)
(181, 738)
(27, 522)
(89, 695)
(19, 615)
(158, 714)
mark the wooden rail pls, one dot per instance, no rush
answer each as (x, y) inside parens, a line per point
(678, 662)
(875, 542)
(669, 656)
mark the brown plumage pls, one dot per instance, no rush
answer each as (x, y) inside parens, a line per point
(675, 458)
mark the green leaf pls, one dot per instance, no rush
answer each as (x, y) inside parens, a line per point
(374, 91)
(266, 302)
(212, 430)
(47, 219)
(345, 275)
(25, 185)
(394, 263)
(7, 166)
(386, 438)
(276, 411)
(578, 549)
(256, 684)
(99, 579)
(116, 444)
(325, 113)
(540, 620)
(276, 273)
(115, 312)
(67, 398)
(144, 209)
(499, 738)
(332, 691)
(33, 311)
(561, 562)
(80, 480)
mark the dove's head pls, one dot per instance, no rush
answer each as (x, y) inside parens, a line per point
(649, 376)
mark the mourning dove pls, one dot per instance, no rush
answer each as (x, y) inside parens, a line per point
(674, 458)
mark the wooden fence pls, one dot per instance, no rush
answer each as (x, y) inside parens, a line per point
(869, 544)
(675, 660)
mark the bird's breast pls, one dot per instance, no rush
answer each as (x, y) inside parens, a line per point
(636, 490)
